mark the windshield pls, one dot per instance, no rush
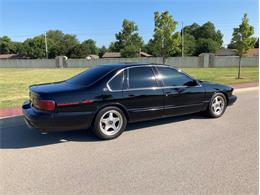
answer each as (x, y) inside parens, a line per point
(90, 76)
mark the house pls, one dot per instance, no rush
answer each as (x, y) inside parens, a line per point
(11, 56)
(118, 55)
(252, 52)
(226, 52)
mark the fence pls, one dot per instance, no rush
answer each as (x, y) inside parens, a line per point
(205, 60)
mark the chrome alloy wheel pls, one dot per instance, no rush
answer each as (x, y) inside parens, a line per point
(218, 105)
(111, 122)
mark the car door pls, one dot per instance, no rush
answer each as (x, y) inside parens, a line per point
(182, 93)
(143, 98)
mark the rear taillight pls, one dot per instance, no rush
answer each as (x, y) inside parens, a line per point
(47, 105)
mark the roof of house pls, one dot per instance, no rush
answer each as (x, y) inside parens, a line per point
(253, 52)
(118, 55)
(226, 52)
(10, 56)
(143, 54)
(111, 55)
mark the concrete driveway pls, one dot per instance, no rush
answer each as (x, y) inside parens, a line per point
(182, 155)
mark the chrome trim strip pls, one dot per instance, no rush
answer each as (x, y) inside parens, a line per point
(118, 72)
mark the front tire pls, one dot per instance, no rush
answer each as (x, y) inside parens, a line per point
(110, 123)
(217, 105)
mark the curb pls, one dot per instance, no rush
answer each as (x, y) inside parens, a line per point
(239, 88)
(10, 112)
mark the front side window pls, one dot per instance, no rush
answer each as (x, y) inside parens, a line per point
(141, 77)
(172, 77)
(117, 82)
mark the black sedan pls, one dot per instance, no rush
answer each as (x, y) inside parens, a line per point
(107, 97)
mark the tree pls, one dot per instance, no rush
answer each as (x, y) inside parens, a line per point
(202, 39)
(6, 45)
(149, 48)
(165, 42)
(102, 51)
(84, 49)
(128, 42)
(242, 39)
(60, 43)
(34, 47)
(206, 46)
(189, 45)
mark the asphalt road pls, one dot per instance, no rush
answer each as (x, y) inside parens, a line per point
(181, 155)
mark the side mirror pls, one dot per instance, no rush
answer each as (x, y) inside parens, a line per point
(195, 82)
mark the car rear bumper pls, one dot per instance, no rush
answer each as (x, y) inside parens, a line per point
(232, 99)
(56, 121)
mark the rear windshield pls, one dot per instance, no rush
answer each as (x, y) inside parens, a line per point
(91, 75)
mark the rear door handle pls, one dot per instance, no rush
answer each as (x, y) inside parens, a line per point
(167, 93)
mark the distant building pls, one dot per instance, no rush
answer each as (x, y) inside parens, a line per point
(252, 52)
(143, 54)
(226, 52)
(11, 56)
(118, 55)
(92, 56)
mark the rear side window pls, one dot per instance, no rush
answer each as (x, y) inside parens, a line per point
(172, 77)
(90, 76)
(141, 77)
(117, 82)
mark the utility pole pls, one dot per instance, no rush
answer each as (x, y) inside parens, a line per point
(46, 45)
(182, 40)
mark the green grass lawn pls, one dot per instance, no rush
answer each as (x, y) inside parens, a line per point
(14, 82)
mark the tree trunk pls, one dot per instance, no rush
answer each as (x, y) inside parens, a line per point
(164, 59)
(239, 67)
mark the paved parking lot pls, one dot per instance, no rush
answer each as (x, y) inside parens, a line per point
(182, 155)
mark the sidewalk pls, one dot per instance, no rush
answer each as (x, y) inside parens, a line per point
(11, 112)
(244, 85)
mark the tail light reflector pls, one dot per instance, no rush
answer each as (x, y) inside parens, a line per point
(45, 104)
(75, 103)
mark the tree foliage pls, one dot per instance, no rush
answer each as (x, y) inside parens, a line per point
(34, 47)
(102, 51)
(84, 49)
(60, 43)
(201, 39)
(6, 45)
(242, 38)
(165, 41)
(128, 42)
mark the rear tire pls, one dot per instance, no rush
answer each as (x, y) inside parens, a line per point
(217, 105)
(110, 123)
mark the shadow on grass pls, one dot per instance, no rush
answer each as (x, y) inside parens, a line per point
(14, 133)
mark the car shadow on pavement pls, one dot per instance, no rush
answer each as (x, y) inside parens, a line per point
(14, 133)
